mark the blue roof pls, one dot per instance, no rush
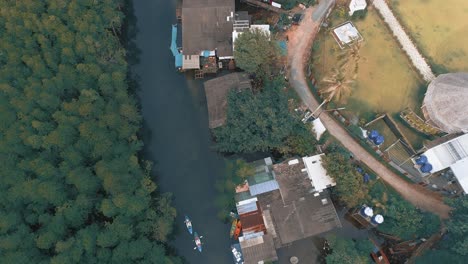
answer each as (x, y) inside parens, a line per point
(175, 51)
(263, 187)
(247, 208)
(178, 60)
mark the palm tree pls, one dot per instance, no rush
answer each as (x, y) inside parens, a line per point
(337, 85)
(351, 54)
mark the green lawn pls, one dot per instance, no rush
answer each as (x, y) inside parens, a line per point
(385, 82)
(440, 28)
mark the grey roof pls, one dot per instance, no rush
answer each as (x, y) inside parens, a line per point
(305, 217)
(292, 180)
(205, 26)
(446, 102)
(216, 91)
(258, 249)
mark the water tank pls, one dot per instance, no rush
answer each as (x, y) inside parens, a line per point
(377, 219)
(366, 178)
(373, 134)
(360, 170)
(426, 168)
(379, 140)
(366, 211)
(421, 160)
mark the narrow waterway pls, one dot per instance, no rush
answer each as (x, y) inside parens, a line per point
(176, 135)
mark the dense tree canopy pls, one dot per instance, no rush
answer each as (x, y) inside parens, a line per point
(72, 189)
(347, 251)
(350, 187)
(256, 53)
(236, 173)
(453, 248)
(262, 122)
(404, 220)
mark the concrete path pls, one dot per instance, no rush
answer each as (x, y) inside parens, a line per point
(408, 46)
(300, 43)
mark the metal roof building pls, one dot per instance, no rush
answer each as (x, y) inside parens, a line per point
(445, 103)
(317, 173)
(452, 154)
(207, 25)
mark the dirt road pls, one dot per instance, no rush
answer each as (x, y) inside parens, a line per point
(300, 43)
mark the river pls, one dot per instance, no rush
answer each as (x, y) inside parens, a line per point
(176, 135)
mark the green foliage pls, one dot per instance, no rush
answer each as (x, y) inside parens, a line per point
(440, 256)
(256, 53)
(359, 14)
(356, 131)
(262, 122)
(350, 187)
(347, 251)
(72, 189)
(236, 172)
(290, 4)
(403, 220)
(458, 227)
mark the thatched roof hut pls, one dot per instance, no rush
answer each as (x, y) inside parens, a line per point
(446, 102)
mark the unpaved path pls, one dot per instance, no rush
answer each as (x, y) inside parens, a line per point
(408, 46)
(300, 43)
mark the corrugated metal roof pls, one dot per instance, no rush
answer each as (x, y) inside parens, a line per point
(263, 187)
(247, 208)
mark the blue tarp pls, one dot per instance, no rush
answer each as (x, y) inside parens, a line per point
(379, 140)
(426, 168)
(366, 178)
(175, 51)
(283, 45)
(421, 160)
(373, 134)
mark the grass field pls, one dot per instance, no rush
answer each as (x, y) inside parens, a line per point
(385, 79)
(385, 82)
(439, 27)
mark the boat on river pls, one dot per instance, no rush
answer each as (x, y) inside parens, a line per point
(188, 224)
(238, 230)
(237, 254)
(233, 227)
(197, 241)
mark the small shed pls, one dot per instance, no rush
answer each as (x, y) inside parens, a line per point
(217, 90)
(345, 34)
(357, 5)
(191, 62)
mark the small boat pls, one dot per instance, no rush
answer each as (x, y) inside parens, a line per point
(188, 224)
(237, 254)
(233, 227)
(238, 230)
(197, 242)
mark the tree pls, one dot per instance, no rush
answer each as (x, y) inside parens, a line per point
(403, 220)
(262, 122)
(235, 174)
(72, 188)
(336, 86)
(256, 53)
(453, 247)
(347, 251)
(350, 187)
